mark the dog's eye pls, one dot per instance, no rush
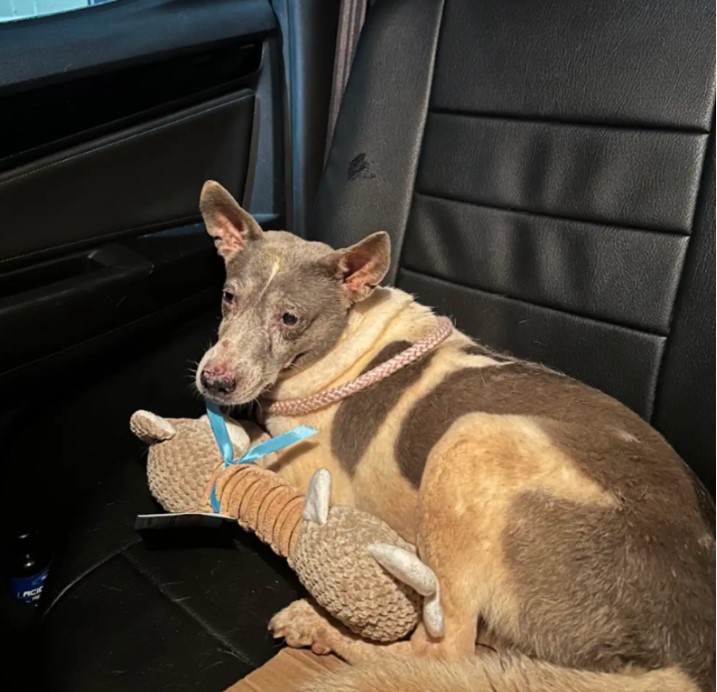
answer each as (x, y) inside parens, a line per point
(289, 320)
(228, 297)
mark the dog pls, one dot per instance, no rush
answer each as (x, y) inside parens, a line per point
(574, 549)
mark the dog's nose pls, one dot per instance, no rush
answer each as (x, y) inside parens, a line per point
(217, 380)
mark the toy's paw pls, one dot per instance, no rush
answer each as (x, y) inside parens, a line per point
(301, 624)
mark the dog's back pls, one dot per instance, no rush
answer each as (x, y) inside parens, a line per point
(548, 509)
(549, 512)
(623, 579)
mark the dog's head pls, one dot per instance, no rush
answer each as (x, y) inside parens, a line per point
(285, 301)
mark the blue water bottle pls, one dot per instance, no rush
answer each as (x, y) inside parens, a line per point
(30, 563)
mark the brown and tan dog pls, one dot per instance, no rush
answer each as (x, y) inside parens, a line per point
(564, 530)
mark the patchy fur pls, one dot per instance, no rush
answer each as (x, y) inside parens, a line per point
(562, 528)
(359, 417)
(285, 301)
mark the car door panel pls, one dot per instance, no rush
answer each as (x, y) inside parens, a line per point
(126, 110)
(128, 182)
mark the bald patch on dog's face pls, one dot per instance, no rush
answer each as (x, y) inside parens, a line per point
(282, 309)
(286, 276)
(285, 301)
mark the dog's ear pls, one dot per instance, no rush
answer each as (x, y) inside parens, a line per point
(230, 226)
(318, 495)
(361, 267)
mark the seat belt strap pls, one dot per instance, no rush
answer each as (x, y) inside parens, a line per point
(351, 18)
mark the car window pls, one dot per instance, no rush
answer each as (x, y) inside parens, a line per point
(13, 10)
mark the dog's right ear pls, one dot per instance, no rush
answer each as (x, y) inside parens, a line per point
(230, 226)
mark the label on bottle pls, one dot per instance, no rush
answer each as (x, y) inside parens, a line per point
(28, 589)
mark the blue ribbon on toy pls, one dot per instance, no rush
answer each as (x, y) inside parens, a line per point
(221, 434)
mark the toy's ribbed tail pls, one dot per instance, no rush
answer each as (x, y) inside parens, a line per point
(262, 503)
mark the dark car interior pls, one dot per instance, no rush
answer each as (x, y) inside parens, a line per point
(546, 171)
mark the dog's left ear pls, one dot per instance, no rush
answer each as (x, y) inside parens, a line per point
(361, 267)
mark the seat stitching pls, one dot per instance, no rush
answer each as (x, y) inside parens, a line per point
(550, 308)
(559, 217)
(548, 120)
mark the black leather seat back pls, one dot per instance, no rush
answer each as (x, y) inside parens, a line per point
(546, 171)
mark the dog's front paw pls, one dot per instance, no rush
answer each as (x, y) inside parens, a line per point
(301, 624)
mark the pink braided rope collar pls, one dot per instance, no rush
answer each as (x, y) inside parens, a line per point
(315, 402)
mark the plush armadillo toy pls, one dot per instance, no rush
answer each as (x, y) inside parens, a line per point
(353, 564)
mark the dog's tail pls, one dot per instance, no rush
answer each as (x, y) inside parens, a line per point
(494, 674)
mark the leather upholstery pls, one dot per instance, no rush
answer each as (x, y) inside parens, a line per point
(546, 172)
(684, 407)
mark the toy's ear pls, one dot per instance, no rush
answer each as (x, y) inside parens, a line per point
(318, 495)
(150, 427)
(409, 569)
